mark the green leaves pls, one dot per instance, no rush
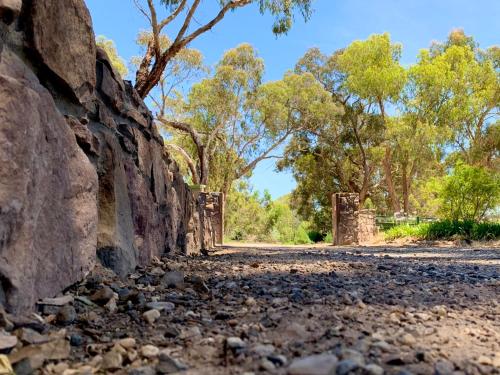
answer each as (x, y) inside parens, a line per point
(372, 68)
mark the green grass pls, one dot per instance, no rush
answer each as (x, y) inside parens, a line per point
(446, 230)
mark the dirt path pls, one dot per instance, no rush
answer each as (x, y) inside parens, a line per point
(258, 310)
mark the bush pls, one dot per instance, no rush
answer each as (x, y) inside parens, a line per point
(446, 230)
(468, 194)
(329, 238)
(316, 236)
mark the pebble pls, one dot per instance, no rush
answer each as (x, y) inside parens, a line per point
(151, 316)
(321, 364)
(161, 306)
(150, 351)
(112, 361)
(76, 340)
(174, 279)
(407, 339)
(66, 315)
(127, 343)
(7, 341)
(235, 343)
(57, 301)
(169, 365)
(373, 369)
(102, 296)
(345, 366)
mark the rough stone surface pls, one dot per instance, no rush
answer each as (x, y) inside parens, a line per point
(64, 39)
(9, 10)
(84, 175)
(48, 190)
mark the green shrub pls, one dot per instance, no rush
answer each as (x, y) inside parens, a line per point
(301, 237)
(328, 238)
(468, 194)
(315, 236)
(446, 230)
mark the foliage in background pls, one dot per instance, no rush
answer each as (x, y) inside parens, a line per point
(250, 217)
(401, 130)
(446, 230)
(468, 193)
(109, 46)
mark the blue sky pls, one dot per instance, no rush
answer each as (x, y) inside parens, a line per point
(333, 25)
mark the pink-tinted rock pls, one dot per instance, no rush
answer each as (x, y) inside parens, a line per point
(48, 188)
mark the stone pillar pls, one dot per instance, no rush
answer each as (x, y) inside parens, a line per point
(345, 219)
(367, 226)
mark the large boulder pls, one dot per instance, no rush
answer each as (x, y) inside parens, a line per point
(48, 190)
(64, 40)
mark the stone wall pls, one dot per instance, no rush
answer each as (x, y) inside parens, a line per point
(367, 226)
(84, 175)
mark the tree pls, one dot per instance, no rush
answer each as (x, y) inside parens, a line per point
(375, 77)
(155, 60)
(110, 48)
(232, 121)
(457, 89)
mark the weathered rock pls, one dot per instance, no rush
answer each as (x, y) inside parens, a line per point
(174, 279)
(150, 351)
(9, 10)
(7, 341)
(102, 296)
(322, 364)
(66, 315)
(64, 39)
(43, 171)
(151, 316)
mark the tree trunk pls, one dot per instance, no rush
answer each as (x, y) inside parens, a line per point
(387, 163)
(405, 183)
(204, 166)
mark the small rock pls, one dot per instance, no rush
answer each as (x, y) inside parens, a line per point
(174, 279)
(58, 301)
(30, 336)
(7, 341)
(144, 370)
(66, 315)
(407, 339)
(278, 360)
(171, 332)
(263, 350)
(102, 296)
(250, 301)
(345, 366)
(150, 351)
(267, 365)
(321, 364)
(373, 369)
(76, 340)
(161, 306)
(151, 316)
(169, 365)
(443, 367)
(127, 343)
(484, 360)
(235, 343)
(112, 360)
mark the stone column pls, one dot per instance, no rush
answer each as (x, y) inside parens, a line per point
(345, 219)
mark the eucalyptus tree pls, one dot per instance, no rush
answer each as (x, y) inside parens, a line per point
(231, 121)
(182, 15)
(374, 76)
